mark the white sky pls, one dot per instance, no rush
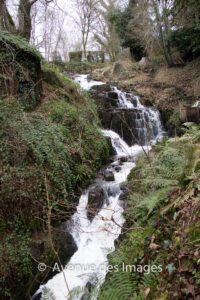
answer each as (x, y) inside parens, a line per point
(71, 30)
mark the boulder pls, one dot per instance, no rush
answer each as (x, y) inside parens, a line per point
(125, 190)
(144, 61)
(101, 88)
(117, 69)
(112, 95)
(65, 243)
(117, 168)
(123, 159)
(95, 201)
(109, 176)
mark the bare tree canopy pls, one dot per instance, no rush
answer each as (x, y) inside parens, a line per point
(24, 18)
(86, 15)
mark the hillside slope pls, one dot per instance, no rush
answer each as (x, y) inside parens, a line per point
(48, 155)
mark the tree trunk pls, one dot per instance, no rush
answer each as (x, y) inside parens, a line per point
(24, 18)
(166, 48)
(6, 21)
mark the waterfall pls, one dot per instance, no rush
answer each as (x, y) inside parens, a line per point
(95, 238)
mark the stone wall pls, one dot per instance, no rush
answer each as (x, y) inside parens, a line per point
(96, 56)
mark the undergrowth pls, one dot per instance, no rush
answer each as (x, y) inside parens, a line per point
(58, 149)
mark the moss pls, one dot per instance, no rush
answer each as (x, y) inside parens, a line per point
(19, 43)
(22, 77)
(51, 77)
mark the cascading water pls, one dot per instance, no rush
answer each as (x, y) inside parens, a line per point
(95, 238)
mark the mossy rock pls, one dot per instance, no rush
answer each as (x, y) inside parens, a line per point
(117, 69)
(51, 77)
(21, 70)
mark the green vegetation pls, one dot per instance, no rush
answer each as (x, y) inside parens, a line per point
(20, 66)
(162, 220)
(75, 56)
(121, 20)
(19, 43)
(54, 150)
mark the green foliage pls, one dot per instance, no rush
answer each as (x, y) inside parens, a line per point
(171, 168)
(57, 149)
(22, 77)
(65, 146)
(75, 56)
(187, 41)
(57, 59)
(121, 21)
(185, 37)
(120, 286)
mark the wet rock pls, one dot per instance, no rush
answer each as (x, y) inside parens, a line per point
(124, 187)
(113, 95)
(123, 159)
(109, 176)
(89, 288)
(117, 168)
(101, 88)
(95, 201)
(65, 243)
(105, 100)
(125, 123)
(134, 101)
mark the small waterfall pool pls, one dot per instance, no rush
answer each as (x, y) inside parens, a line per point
(95, 238)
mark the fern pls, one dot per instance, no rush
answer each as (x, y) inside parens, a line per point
(138, 297)
(120, 286)
(153, 200)
(47, 294)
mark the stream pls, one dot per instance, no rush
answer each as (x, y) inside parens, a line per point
(95, 237)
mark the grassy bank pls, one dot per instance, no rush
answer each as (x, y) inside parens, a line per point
(47, 157)
(162, 231)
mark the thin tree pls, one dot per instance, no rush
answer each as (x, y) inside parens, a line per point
(6, 21)
(160, 10)
(105, 34)
(86, 14)
(24, 18)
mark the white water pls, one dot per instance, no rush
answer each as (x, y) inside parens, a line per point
(95, 240)
(85, 83)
